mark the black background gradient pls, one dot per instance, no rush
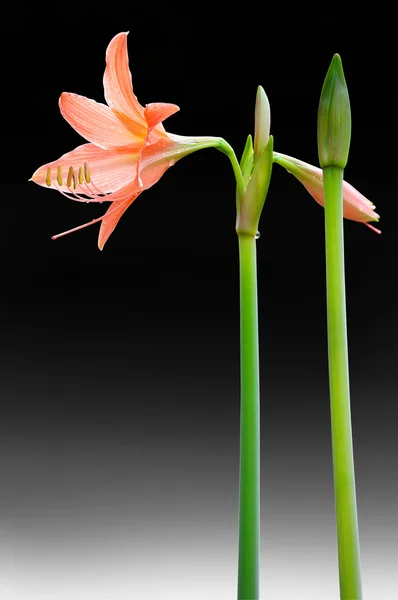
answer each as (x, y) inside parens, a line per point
(119, 380)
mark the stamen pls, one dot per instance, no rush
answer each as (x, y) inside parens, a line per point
(87, 195)
(70, 175)
(70, 195)
(87, 172)
(79, 185)
(97, 190)
(88, 192)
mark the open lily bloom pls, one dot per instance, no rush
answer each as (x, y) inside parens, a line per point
(355, 206)
(128, 150)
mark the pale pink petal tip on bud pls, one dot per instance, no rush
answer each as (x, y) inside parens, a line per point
(355, 206)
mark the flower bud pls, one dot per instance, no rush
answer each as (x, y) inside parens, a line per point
(355, 206)
(334, 118)
(262, 122)
(256, 167)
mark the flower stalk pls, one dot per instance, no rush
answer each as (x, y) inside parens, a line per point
(252, 187)
(249, 484)
(333, 144)
(340, 411)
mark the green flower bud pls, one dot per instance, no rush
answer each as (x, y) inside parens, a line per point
(256, 167)
(334, 118)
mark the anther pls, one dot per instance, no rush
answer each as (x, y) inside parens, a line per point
(87, 176)
(59, 174)
(70, 175)
(48, 178)
(74, 180)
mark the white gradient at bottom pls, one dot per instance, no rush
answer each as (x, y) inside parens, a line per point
(192, 563)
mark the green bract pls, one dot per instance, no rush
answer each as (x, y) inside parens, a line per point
(246, 162)
(251, 201)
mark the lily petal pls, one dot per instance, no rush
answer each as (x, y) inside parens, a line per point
(154, 165)
(112, 217)
(108, 170)
(96, 122)
(156, 112)
(163, 151)
(118, 87)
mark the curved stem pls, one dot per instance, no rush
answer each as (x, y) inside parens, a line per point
(342, 447)
(200, 143)
(228, 150)
(249, 485)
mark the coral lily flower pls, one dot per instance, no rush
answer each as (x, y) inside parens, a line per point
(128, 150)
(355, 206)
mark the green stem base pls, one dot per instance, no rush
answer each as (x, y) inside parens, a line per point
(249, 485)
(342, 447)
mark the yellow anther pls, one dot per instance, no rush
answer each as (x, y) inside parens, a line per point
(70, 175)
(74, 180)
(87, 176)
(48, 178)
(59, 174)
(81, 175)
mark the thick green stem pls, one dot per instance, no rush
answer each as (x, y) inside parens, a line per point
(249, 489)
(343, 460)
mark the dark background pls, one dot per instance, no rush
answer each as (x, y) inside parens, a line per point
(119, 387)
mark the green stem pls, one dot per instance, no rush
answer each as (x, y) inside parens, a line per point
(224, 147)
(193, 144)
(343, 460)
(249, 490)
